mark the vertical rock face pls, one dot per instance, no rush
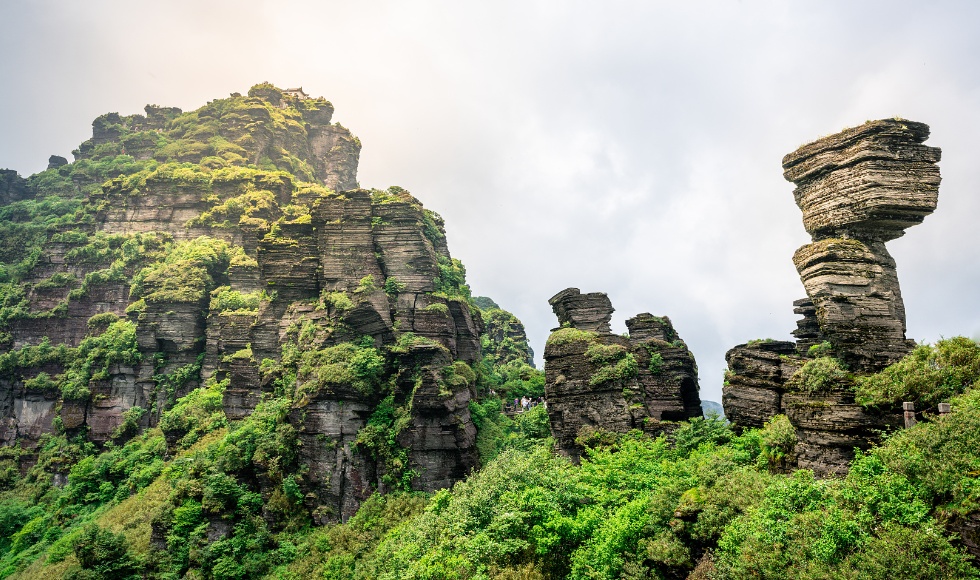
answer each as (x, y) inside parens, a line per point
(13, 187)
(231, 257)
(597, 381)
(858, 189)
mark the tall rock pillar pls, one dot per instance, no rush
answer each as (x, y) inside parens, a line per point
(857, 190)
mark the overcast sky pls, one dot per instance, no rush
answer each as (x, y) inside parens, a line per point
(631, 148)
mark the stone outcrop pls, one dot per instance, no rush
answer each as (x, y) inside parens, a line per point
(756, 381)
(597, 381)
(857, 190)
(13, 187)
(591, 312)
(830, 426)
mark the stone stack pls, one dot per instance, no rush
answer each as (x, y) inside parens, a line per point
(599, 382)
(858, 189)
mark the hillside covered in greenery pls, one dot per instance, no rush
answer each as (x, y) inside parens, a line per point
(222, 358)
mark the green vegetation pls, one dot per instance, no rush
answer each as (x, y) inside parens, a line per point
(636, 507)
(568, 335)
(199, 496)
(821, 375)
(613, 363)
(186, 275)
(930, 374)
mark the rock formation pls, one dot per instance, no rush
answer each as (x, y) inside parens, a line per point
(237, 258)
(598, 381)
(505, 339)
(755, 380)
(857, 190)
(13, 187)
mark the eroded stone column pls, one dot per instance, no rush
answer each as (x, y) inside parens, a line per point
(858, 189)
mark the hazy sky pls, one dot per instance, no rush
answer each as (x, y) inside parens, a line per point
(631, 148)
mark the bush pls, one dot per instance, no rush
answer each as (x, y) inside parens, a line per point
(820, 375)
(927, 376)
(778, 442)
(105, 555)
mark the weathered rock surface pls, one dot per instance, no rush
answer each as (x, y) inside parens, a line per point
(869, 182)
(597, 381)
(830, 426)
(756, 379)
(591, 312)
(857, 189)
(13, 187)
(857, 301)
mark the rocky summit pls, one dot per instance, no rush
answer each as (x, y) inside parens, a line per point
(598, 382)
(230, 247)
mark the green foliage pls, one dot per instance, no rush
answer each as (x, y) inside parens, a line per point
(365, 284)
(198, 413)
(102, 321)
(778, 442)
(513, 379)
(340, 366)
(224, 300)
(568, 335)
(820, 375)
(820, 350)
(656, 364)
(339, 301)
(103, 554)
(497, 433)
(393, 286)
(96, 355)
(622, 366)
(699, 431)
(930, 374)
(178, 379)
(432, 226)
(452, 278)
(186, 275)
(379, 439)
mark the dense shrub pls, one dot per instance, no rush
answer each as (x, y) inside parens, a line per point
(930, 374)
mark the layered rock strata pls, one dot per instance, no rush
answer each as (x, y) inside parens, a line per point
(756, 381)
(858, 189)
(597, 381)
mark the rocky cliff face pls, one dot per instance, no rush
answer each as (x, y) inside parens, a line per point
(597, 381)
(231, 247)
(857, 189)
